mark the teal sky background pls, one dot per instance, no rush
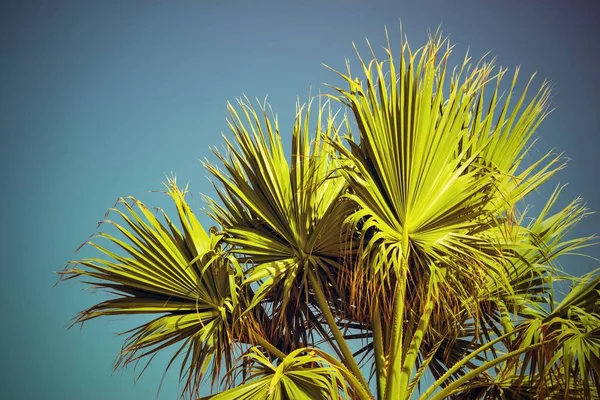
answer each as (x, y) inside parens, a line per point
(101, 99)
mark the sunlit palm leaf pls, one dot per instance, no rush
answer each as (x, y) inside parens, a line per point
(433, 176)
(283, 219)
(576, 322)
(563, 357)
(179, 275)
(302, 374)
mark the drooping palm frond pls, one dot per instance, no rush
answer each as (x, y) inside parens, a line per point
(555, 356)
(177, 275)
(559, 354)
(575, 321)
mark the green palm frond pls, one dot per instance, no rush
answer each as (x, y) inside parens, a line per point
(280, 216)
(525, 287)
(559, 353)
(302, 374)
(436, 180)
(178, 275)
(576, 322)
(431, 171)
(285, 219)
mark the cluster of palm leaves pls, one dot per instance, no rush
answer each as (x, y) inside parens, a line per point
(392, 262)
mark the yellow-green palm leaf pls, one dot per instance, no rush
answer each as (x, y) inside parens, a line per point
(177, 274)
(435, 179)
(302, 374)
(282, 217)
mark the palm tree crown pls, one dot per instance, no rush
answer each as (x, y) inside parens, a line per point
(389, 257)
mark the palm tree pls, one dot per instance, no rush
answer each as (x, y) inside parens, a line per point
(395, 263)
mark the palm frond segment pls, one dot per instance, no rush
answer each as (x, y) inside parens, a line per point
(431, 170)
(303, 374)
(178, 275)
(282, 217)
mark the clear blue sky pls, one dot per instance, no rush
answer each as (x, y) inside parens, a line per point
(101, 99)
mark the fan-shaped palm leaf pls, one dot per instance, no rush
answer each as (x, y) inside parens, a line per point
(179, 275)
(303, 374)
(432, 177)
(285, 219)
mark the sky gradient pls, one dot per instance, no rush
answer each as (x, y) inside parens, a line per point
(104, 99)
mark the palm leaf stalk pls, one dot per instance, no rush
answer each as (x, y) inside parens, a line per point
(395, 232)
